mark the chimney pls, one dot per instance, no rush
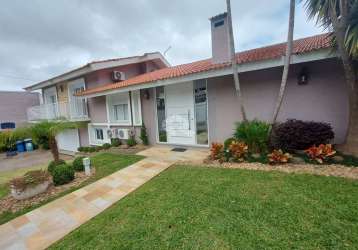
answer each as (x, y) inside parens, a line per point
(220, 40)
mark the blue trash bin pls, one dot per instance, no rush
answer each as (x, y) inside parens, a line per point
(20, 147)
(28, 145)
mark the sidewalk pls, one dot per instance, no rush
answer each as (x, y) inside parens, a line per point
(43, 226)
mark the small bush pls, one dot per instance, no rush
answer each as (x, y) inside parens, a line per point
(217, 151)
(106, 146)
(254, 134)
(97, 149)
(92, 149)
(81, 149)
(51, 166)
(227, 142)
(116, 142)
(63, 174)
(30, 179)
(131, 141)
(143, 135)
(300, 135)
(321, 153)
(238, 151)
(78, 164)
(278, 157)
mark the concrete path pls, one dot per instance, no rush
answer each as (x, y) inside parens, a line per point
(42, 227)
(27, 160)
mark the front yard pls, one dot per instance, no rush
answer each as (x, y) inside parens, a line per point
(189, 207)
(104, 164)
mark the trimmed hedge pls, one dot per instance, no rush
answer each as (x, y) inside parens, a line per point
(63, 174)
(300, 135)
(78, 164)
(51, 166)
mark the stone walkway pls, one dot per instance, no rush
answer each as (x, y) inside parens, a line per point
(43, 226)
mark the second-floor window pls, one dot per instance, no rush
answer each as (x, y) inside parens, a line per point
(121, 112)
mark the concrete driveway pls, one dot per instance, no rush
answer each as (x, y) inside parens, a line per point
(27, 160)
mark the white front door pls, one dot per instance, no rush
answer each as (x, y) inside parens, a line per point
(180, 123)
(68, 140)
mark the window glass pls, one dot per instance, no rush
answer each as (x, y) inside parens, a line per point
(201, 106)
(99, 134)
(137, 119)
(120, 112)
(160, 96)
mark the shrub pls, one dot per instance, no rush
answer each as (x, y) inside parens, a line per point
(116, 142)
(300, 135)
(131, 141)
(217, 151)
(51, 166)
(238, 150)
(7, 141)
(278, 157)
(143, 135)
(63, 174)
(227, 142)
(106, 146)
(254, 134)
(30, 179)
(78, 164)
(320, 153)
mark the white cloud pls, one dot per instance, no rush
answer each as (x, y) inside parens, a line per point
(40, 38)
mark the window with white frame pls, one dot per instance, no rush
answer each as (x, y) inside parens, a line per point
(98, 134)
(136, 106)
(119, 108)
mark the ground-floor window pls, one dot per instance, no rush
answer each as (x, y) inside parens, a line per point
(161, 116)
(98, 134)
(201, 111)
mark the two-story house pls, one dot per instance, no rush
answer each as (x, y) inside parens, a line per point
(196, 104)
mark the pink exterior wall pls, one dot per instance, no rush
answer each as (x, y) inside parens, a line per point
(148, 115)
(97, 105)
(324, 98)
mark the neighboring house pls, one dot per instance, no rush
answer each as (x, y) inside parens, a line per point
(195, 104)
(13, 106)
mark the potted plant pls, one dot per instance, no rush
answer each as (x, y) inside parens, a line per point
(30, 184)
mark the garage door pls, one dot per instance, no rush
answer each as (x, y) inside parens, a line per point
(68, 140)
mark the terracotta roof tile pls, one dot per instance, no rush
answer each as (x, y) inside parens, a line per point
(300, 46)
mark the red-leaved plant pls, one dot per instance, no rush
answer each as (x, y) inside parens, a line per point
(238, 150)
(320, 153)
(217, 151)
(278, 157)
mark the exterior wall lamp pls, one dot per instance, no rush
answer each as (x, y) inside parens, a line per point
(302, 78)
(146, 94)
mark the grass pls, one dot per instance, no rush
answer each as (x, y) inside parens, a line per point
(105, 164)
(211, 208)
(6, 176)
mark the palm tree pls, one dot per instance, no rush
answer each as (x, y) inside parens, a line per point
(286, 66)
(341, 16)
(49, 130)
(234, 63)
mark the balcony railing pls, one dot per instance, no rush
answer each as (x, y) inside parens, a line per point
(74, 111)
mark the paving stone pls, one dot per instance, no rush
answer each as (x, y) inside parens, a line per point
(43, 226)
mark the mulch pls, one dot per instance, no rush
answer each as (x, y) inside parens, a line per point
(324, 170)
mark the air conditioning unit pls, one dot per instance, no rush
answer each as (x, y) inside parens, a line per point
(118, 76)
(123, 133)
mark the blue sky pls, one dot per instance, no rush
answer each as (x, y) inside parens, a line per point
(40, 39)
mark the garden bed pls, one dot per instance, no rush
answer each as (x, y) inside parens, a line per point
(337, 170)
(10, 204)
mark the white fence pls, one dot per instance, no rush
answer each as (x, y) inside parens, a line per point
(76, 110)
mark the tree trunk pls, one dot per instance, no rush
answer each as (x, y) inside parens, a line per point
(234, 63)
(54, 149)
(339, 27)
(286, 66)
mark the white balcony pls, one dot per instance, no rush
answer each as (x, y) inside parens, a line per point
(73, 111)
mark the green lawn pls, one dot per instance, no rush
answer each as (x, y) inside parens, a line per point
(207, 208)
(105, 164)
